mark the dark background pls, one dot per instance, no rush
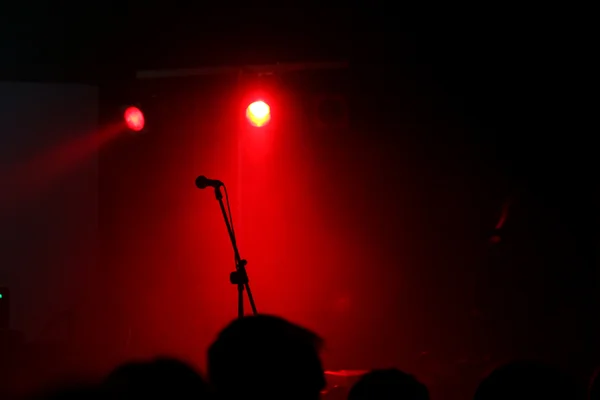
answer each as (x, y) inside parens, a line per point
(449, 117)
(48, 213)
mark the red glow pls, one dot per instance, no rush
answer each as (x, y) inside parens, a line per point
(258, 113)
(43, 169)
(134, 118)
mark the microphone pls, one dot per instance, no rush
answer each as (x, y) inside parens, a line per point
(203, 182)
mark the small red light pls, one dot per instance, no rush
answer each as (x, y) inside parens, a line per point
(134, 118)
(258, 113)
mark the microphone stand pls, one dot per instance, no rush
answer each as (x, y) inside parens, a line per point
(238, 277)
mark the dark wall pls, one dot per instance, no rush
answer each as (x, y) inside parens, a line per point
(48, 207)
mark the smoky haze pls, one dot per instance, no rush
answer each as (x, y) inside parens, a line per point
(48, 221)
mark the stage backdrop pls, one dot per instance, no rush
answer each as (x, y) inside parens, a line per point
(353, 228)
(48, 206)
(374, 230)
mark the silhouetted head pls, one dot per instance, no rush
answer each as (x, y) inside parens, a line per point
(266, 357)
(166, 378)
(525, 381)
(388, 384)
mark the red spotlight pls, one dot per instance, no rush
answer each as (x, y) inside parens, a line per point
(134, 118)
(258, 113)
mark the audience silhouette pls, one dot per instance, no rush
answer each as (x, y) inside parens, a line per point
(388, 384)
(526, 381)
(72, 392)
(270, 358)
(163, 377)
(266, 357)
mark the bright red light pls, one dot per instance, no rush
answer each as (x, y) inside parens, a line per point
(258, 113)
(134, 118)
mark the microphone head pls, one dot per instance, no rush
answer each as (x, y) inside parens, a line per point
(202, 182)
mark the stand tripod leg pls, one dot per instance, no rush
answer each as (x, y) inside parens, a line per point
(251, 299)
